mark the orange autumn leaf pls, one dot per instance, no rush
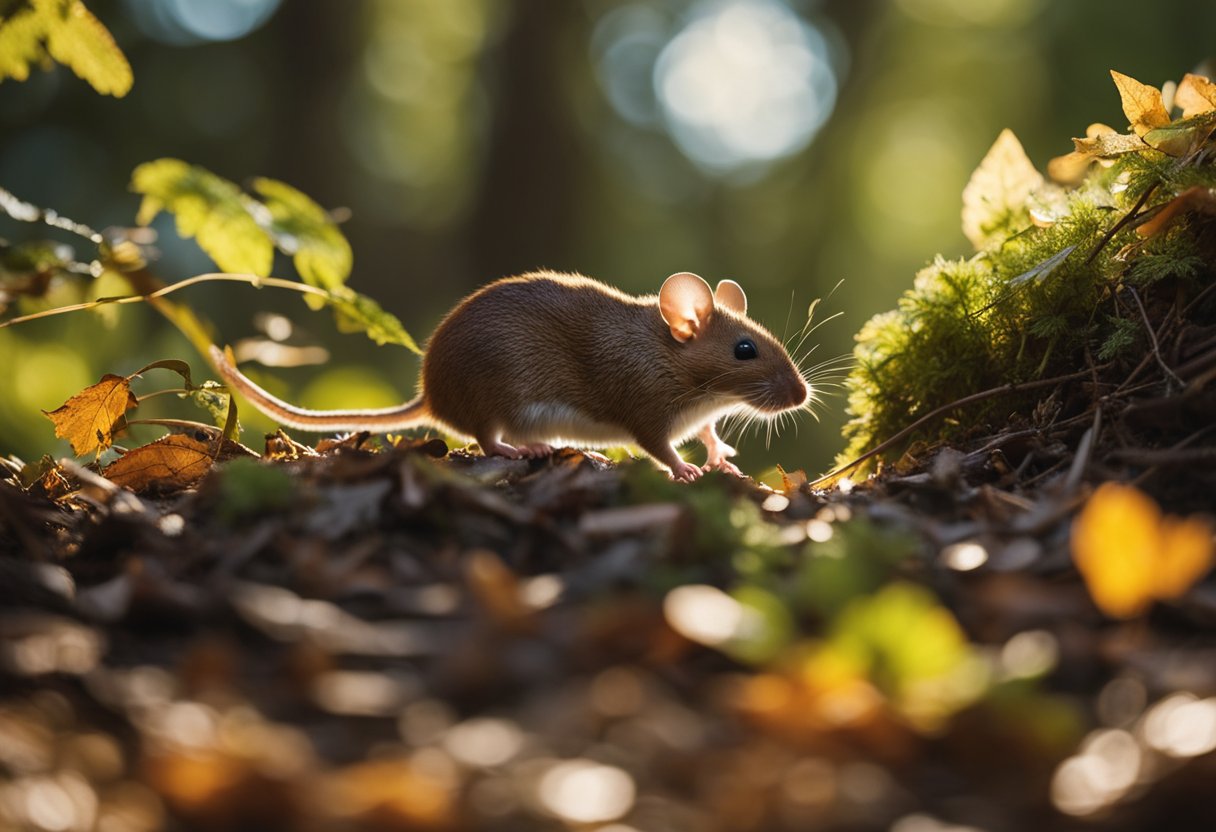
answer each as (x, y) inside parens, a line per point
(88, 419)
(1130, 555)
(170, 463)
(1192, 199)
(1142, 104)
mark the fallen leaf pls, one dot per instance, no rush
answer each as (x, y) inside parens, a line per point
(998, 190)
(88, 419)
(1104, 145)
(1192, 199)
(1130, 555)
(170, 463)
(1142, 104)
(1181, 137)
(1195, 95)
(791, 481)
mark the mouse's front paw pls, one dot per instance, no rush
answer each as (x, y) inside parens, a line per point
(685, 472)
(724, 466)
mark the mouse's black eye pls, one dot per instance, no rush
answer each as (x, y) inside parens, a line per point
(745, 349)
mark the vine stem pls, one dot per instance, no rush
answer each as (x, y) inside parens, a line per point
(210, 277)
(941, 411)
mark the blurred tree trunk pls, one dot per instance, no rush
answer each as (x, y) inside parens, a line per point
(525, 215)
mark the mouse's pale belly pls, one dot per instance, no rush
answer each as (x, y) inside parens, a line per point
(557, 423)
(560, 424)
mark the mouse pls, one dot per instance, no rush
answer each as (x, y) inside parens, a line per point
(543, 360)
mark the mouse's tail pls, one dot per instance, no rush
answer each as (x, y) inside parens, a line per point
(408, 415)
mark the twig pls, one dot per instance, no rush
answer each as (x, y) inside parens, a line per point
(1117, 227)
(944, 409)
(250, 279)
(1085, 449)
(1152, 337)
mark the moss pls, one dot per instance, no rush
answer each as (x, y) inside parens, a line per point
(1035, 302)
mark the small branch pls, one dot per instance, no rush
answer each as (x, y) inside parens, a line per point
(1085, 449)
(1152, 337)
(250, 279)
(1119, 226)
(944, 409)
(24, 211)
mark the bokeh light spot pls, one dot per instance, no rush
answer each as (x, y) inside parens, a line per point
(744, 83)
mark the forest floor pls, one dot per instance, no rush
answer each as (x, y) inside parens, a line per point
(404, 637)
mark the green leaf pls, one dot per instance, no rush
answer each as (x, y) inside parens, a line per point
(79, 41)
(21, 44)
(208, 208)
(302, 229)
(214, 397)
(1042, 271)
(175, 365)
(359, 313)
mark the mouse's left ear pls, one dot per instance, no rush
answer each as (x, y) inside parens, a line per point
(685, 302)
(730, 294)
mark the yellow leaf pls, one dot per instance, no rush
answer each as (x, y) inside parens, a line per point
(1142, 104)
(1195, 95)
(208, 208)
(170, 463)
(1186, 555)
(21, 44)
(88, 419)
(996, 195)
(1129, 555)
(321, 254)
(82, 43)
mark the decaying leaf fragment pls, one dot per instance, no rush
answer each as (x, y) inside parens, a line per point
(88, 419)
(170, 463)
(998, 190)
(1131, 555)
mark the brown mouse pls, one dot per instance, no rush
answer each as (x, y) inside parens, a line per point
(545, 359)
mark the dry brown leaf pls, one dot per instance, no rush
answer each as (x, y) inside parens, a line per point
(1142, 104)
(1192, 199)
(998, 188)
(496, 589)
(88, 419)
(1109, 144)
(1195, 95)
(1100, 140)
(791, 481)
(170, 463)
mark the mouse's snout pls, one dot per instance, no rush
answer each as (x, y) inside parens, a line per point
(781, 394)
(796, 392)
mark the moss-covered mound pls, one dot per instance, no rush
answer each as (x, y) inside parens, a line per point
(1093, 269)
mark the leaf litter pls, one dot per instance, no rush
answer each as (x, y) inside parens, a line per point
(394, 636)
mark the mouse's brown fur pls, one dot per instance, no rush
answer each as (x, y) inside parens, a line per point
(544, 359)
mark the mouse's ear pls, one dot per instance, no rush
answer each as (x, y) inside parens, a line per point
(685, 303)
(730, 294)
